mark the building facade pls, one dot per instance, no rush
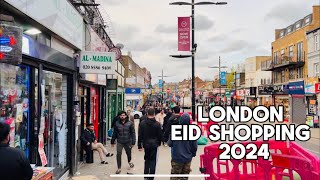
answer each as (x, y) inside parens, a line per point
(312, 88)
(289, 66)
(253, 78)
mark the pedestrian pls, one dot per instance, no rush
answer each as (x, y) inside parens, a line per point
(149, 139)
(165, 124)
(14, 164)
(89, 142)
(160, 117)
(125, 135)
(182, 152)
(130, 115)
(174, 119)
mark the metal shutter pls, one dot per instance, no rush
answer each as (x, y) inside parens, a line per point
(298, 110)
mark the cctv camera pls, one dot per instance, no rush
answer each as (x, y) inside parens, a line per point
(76, 55)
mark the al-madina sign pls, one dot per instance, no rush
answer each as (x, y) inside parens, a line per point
(97, 62)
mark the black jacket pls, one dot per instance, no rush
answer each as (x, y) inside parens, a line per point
(124, 132)
(150, 134)
(14, 165)
(87, 136)
(173, 120)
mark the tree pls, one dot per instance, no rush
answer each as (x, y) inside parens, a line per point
(230, 78)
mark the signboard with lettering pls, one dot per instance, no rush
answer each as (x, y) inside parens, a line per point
(97, 62)
(275, 89)
(223, 80)
(253, 91)
(10, 44)
(296, 87)
(317, 88)
(132, 90)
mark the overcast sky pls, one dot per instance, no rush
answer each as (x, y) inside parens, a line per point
(241, 29)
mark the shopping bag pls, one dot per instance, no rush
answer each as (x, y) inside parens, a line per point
(110, 132)
(202, 141)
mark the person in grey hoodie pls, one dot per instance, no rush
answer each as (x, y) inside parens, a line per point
(182, 152)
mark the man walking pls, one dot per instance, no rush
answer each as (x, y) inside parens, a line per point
(14, 165)
(125, 135)
(174, 119)
(182, 152)
(89, 142)
(150, 137)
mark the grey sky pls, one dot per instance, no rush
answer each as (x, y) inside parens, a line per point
(241, 29)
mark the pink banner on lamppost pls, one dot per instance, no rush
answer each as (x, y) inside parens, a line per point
(183, 33)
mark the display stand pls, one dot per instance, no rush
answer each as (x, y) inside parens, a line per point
(42, 173)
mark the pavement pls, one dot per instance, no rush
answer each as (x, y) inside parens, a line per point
(97, 171)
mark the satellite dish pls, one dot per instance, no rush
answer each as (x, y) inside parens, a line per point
(120, 46)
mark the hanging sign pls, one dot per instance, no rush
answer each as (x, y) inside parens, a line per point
(97, 62)
(183, 33)
(10, 44)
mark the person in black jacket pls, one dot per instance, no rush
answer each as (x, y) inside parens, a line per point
(173, 120)
(14, 164)
(165, 125)
(150, 137)
(125, 135)
(89, 142)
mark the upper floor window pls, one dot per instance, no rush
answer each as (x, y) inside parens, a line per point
(316, 70)
(316, 42)
(290, 51)
(307, 21)
(281, 33)
(275, 57)
(289, 30)
(300, 51)
(298, 25)
(300, 72)
(282, 52)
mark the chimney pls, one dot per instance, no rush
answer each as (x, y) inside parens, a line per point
(316, 14)
(277, 33)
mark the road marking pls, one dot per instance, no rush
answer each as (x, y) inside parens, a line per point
(159, 175)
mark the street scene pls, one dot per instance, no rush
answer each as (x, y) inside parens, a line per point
(123, 89)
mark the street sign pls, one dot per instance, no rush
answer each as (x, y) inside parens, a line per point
(160, 83)
(97, 62)
(223, 80)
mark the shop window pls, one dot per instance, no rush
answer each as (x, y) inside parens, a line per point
(54, 114)
(14, 102)
(292, 74)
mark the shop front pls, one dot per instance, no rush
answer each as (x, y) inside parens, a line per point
(297, 102)
(37, 102)
(133, 98)
(312, 111)
(264, 96)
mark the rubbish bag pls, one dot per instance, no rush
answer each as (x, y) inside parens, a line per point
(202, 141)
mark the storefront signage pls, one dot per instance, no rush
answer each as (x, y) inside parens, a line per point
(273, 90)
(97, 62)
(317, 88)
(160, 83)
(132, 90)
(296, 87)
(223, 80)
(183, 33)
(310, 89)
(57, 15)
(117, 51)
(253, 91)
(10, 44)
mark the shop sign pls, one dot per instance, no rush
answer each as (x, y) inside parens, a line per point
(132, 90)
(117, 51)
(97, 63)
(246, 92)
(253, 91)
(57, 15)
(183, 33)
(310, 89)
(240, 92)
(317, 88)
(273, 90)
(227, 93)
(10, 44)
(296, 87)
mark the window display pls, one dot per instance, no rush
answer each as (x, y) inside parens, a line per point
(284, 101)
(14, 102)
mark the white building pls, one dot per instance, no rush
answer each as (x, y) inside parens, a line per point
(254, 77)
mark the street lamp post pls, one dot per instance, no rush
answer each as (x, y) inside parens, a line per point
(193, 45)
(162, 76)
(219, 67)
